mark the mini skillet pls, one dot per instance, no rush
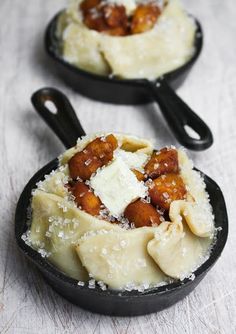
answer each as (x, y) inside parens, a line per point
(67, 127)
(123, 91)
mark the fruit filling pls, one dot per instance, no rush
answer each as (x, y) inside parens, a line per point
(103, 184)
(112, 19)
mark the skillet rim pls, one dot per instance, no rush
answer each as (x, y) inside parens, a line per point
(21, 227)
(50, 38)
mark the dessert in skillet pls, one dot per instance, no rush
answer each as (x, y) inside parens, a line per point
(119, 213)
(126, 38)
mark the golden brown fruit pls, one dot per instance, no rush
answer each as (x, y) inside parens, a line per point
(140, 176)
(111, 139)
(83, 165)
(103, 148)
(166, 189)
(96, 154)
(142, 214)
(144, 18)
(87, 5)
(112, 19)
(108, 18)
(86, 199)
(95, 22)
(115, 15)
(162, 162)
(93, 15)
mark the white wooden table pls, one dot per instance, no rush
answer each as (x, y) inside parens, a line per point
(27, 304)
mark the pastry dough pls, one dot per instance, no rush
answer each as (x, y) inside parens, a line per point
(80, 244)
(148, 55)
(197, 210)
(120, 259)
(176, 250)
(56, 227)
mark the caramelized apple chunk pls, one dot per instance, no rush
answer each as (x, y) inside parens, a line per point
(83, 165)
(166, 189)
(103, 148)
(108, 18)
(144, 18)
(111, 18)
(86, 199)
(142, 214)
(96, 154)
(140, 176)
(95, 22)
(87, 5)
(111, 139)
(115, 15)
(162, 162)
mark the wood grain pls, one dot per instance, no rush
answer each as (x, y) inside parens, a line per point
(27, 304)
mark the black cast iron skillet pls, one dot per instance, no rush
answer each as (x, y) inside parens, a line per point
(67, 127)
(114, 90)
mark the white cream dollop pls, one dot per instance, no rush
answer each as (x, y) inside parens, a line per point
(117, 186)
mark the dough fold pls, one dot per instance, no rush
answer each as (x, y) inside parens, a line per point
(176, 250)
(120, 259)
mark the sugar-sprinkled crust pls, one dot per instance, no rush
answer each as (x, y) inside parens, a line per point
(147, 55)
(80, 244)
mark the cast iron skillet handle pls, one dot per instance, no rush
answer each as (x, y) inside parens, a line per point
(179, 115)
(56, 110)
